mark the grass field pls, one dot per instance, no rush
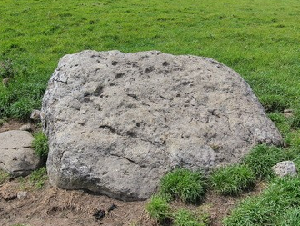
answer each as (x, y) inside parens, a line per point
(258, 39)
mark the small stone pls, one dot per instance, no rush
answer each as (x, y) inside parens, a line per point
(288, 113)
(21, 194)
(111, 208)
(26, 127)
(99, 214)
(9, 197)
(286, 168)
(5, 81)
(35, 115)
(17, 155)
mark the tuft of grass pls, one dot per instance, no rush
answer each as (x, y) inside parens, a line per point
(232, 180)
(40, 145)
(290, 217)
(38, 178)
(281, 122)
(278, 204)
(296, 120)
(135, 224)
(262, 158)
(184, 217)
(159, 208)
(3, 177)
(6, 69)
(184, 184)
(2, 121)
(19, 98)
(293, 141)
(274, 103)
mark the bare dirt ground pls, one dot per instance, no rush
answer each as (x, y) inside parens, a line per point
(57, 207)
(10, 125)
(52, 206)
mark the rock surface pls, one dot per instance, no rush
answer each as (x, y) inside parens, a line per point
(35, 115)
(21, 194)
(27, 127)
(116, 122)
(17, 156)
(286, 168)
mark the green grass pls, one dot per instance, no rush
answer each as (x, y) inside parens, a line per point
(260, 41)
(6, 69)
(290, 217)
(232, 180)
(40, 145)
(159, 208)
(277, 205)
(262, 158)
(183, 184)
(2, 121)
(38, 178)
(184, 217)
(296, 119)
(3, 176)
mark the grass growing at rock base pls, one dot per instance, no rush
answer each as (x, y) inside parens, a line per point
(232, 180)
(159, 208)
(277, 205)
(3, 176)
(38, 178)
(184, 217)
(262, 158)
(40, 145)
(183, 184)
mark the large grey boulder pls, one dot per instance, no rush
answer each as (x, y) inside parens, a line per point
(16, 154)
(117, 122)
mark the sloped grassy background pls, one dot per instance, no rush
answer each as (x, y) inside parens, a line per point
(259, 39)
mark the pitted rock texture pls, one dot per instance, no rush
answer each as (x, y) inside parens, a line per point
(286, 168)
(17, 156)
(117, 122)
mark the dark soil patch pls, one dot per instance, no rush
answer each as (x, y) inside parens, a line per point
(221, 206)
(11, 125)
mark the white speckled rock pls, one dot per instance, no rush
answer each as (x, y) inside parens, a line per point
(286, 168)
(17, 156)
(117, 122)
